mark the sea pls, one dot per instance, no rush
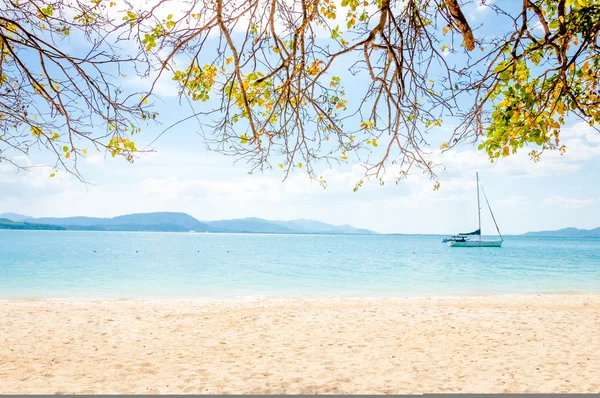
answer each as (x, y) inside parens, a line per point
(154, 265)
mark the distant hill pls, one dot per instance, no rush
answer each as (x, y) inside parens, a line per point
(5, 223)
(312, 226)
(163, 221)
(300, 226)
(567, 233)
(182, 222)
(15, 216)
(255, 225)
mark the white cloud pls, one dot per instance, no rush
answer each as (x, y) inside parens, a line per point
(538, 28)
(36, 176)
(593, 138)
(96, 158)
(569, 203)
(581, 141)
(165, 86)
(484, 5)
(512, 201)
(481, 8)
(579, 129)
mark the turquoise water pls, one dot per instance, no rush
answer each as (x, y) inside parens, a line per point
(65, 264)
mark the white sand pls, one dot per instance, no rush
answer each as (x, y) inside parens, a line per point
(544, 343)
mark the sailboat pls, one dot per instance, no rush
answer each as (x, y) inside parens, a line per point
(473, 239)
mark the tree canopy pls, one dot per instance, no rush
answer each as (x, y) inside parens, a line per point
(269, 78)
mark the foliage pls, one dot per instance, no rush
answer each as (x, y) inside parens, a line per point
(60, 98)
(544, 77)
(264, 77)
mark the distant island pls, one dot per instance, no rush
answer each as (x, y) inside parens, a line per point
(182, 222)
(567, 233)
(175, 222)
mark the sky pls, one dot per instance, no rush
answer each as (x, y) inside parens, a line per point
(182, 176)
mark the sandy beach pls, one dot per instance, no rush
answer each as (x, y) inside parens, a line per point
(496, 344)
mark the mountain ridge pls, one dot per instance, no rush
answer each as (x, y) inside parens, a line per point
(183, 222)
(569, 232)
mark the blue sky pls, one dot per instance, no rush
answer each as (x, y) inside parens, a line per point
(558, 191)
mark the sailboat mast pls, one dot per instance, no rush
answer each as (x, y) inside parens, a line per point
(478, 205)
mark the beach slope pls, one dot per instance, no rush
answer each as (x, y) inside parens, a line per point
(494, 344)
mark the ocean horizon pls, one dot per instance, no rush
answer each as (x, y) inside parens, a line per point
(165, 265)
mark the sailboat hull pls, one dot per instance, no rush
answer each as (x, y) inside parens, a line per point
(476, 243)
(466, 240)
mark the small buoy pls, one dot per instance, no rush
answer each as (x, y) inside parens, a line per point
(227, 251)
(94, 251)
(136, 251)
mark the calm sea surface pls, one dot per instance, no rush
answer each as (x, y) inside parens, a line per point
(65, 264)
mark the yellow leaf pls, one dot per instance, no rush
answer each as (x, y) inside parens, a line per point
(68, 155)
(281, 165)
(228, 60)
(300, 165)
(84, 152)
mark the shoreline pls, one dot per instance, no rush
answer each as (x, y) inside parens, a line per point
(276, 299)
(542, 343)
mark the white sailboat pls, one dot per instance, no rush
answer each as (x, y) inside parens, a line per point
(473, 239)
